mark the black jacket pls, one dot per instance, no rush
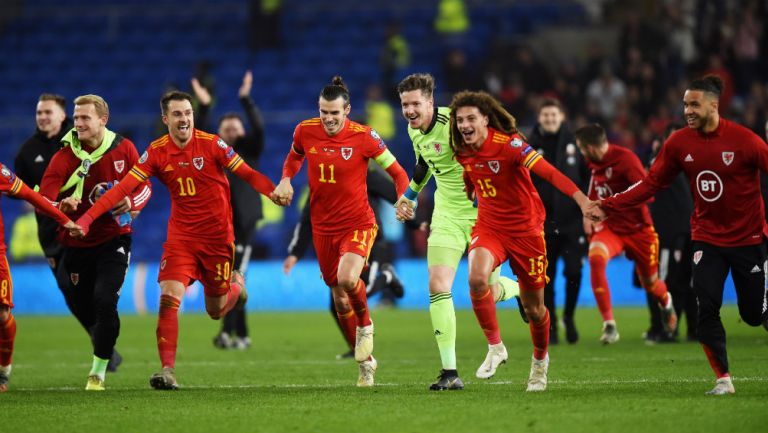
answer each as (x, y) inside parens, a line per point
(30, 164)
(560, 150)
(671, 211)
(246, 202)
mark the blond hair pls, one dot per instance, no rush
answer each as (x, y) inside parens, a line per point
(102, 109)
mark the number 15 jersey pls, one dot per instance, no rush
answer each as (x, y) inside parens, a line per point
(499, 174)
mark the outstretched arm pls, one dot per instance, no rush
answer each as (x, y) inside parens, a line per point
(546, 171)
(258, 181)
(108, 201)
(291, 166)
(39, 202)
(663, 170)
(388, 162)
(407, 202)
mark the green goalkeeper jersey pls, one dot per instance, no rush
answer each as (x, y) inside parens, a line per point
(434, 147)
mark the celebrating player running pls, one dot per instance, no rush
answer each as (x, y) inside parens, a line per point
(510, 220)
(343, 225)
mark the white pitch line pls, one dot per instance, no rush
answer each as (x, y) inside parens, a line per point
(395, 384)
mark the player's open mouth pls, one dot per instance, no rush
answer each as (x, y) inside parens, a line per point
(468, 135)
(691, 119)
(183, 128)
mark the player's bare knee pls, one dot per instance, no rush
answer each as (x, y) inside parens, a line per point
(535, 312)
(213, 312)
(478, 282)
(5, 313)
(348, 284)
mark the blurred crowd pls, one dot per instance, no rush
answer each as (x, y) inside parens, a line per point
(637, 92)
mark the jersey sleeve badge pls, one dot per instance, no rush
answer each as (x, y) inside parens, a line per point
(7, 173)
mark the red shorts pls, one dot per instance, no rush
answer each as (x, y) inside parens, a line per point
(527, 255)
(642, 247)
(330, 248)
(211, 264)
(6, 285)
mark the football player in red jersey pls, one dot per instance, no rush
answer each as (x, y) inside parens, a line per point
(615, 168)
(12, 185)
(510, 220)
(191, 164)
(343, 225)
(92, 158)
(722, 161)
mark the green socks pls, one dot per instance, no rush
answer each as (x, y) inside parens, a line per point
(508, 289)
(444, 324)
(99, 367)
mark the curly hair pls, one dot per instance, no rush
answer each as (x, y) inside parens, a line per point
(498, 117)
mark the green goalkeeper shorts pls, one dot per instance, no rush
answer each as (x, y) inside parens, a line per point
(448, 239)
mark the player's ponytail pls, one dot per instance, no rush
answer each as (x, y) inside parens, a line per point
(336, 89)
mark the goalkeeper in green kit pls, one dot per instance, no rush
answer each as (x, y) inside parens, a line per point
(452, 221)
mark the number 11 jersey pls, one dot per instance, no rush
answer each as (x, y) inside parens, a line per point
(337, 172)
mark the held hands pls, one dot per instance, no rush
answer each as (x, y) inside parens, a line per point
(593, 212)
(283, 193)
(74, 230)
(404, 209)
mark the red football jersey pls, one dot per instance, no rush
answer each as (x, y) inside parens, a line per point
(9, 184)
(338, 167)
(723, 170)
(499, 172)
(112, 167)
(619, 169)
(197, 182)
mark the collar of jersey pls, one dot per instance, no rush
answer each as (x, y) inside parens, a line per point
(434, 121)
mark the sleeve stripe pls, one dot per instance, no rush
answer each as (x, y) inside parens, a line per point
(142, 197)
(234, 162)
(138, 174)
(16, 186)
(532, 159)
(293, 149)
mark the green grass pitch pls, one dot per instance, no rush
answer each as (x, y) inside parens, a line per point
(290, 381)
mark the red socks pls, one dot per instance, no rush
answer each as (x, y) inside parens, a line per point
(7, 336)
(168, 330)
(597, 265)
(359, 302)
(485, 311)
(348, 323)
(232, 297)
(540, 336)
(659, 291)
